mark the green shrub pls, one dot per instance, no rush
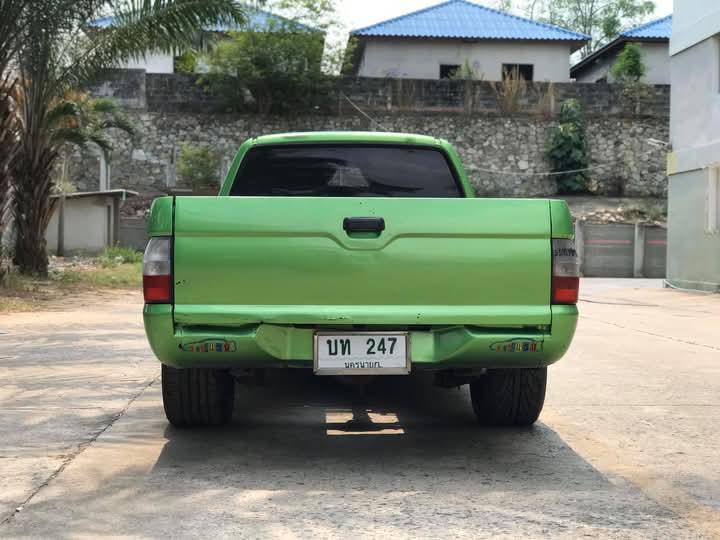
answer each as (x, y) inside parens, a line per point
(629, 66)
(198, 167)
(187, 62)
(568, 149)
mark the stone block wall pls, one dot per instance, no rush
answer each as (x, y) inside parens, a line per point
(504, 152)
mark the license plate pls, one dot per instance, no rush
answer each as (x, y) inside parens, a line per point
(377, 353)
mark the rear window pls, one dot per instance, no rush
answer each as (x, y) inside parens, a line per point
(345, 171)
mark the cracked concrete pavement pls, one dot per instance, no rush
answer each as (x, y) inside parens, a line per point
(627, 446)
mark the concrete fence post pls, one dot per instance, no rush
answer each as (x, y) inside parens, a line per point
(580, 244)
(639, 250)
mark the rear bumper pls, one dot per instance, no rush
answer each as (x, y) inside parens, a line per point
(278, 346)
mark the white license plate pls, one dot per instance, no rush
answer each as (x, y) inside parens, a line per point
(377, 353)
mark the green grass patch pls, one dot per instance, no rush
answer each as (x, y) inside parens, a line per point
(119, 276)
(25, 293)
(115, 256)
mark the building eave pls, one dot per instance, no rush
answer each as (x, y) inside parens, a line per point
(614, 45)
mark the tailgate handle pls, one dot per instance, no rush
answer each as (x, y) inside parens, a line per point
(363, 224)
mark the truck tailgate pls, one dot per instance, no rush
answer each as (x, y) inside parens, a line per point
(288, 260)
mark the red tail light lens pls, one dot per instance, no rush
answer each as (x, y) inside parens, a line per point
(157, 289)
(565, 290)
(566, 272)
(157, 276)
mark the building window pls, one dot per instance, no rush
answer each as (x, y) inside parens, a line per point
(712, 206)
(448, 70)
(518, 71)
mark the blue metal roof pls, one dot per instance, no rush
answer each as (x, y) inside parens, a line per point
(258, 20)
(657, 29)
(461, 19)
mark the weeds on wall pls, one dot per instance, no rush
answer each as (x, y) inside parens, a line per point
(510, 91)
(567, 152)
(545, 93)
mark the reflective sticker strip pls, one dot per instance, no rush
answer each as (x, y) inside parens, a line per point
(518, 345)
(210, 346)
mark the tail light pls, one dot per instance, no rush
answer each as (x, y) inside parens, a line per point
(157, 275)
(565, 272)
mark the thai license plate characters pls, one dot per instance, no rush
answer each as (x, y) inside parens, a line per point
(372, 353)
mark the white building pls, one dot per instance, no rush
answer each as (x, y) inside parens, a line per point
(435, 42)
(694, 163)
(258, 20)
(654, 41)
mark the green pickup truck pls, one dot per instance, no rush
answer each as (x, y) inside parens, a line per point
(357, 255)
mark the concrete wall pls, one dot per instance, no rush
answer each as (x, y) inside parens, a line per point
(695, 105)
(693, 250)
(132, 233)
(88, 222)
(421, 59)
(153, 63)
(183, 93)
(693, 21)
(621, 250)
(693, 253)
(656, 57)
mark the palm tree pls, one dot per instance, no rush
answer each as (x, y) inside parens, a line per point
(11, 29)
(57, 55)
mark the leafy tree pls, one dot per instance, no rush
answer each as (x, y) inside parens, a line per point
(568, 149)
(58, 52)
(282, 66)
(629, 66)
(601, 19)
(199, 166)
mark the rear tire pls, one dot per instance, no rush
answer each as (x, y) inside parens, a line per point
(197, 397)
(509, 397)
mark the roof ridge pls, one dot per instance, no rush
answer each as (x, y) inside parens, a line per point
(578, 35)
(645, 25)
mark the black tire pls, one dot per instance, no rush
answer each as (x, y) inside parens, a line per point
(509, 397)
(197, 397)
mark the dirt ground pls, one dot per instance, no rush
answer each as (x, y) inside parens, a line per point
(627, 446)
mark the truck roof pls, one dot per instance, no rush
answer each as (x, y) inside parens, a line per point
(348, 137)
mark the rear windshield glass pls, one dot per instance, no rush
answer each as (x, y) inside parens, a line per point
(345, 171)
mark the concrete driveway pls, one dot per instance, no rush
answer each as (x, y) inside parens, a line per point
(627, 446)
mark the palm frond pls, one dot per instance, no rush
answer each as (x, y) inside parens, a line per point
(102, 141)
(75, 136)
(120, 122)
(149, 25)
(63, 110)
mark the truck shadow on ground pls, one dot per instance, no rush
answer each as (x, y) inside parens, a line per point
(309, 457)
(300, 421)
(316, 440)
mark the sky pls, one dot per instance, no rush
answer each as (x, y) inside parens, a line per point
(360, 13)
